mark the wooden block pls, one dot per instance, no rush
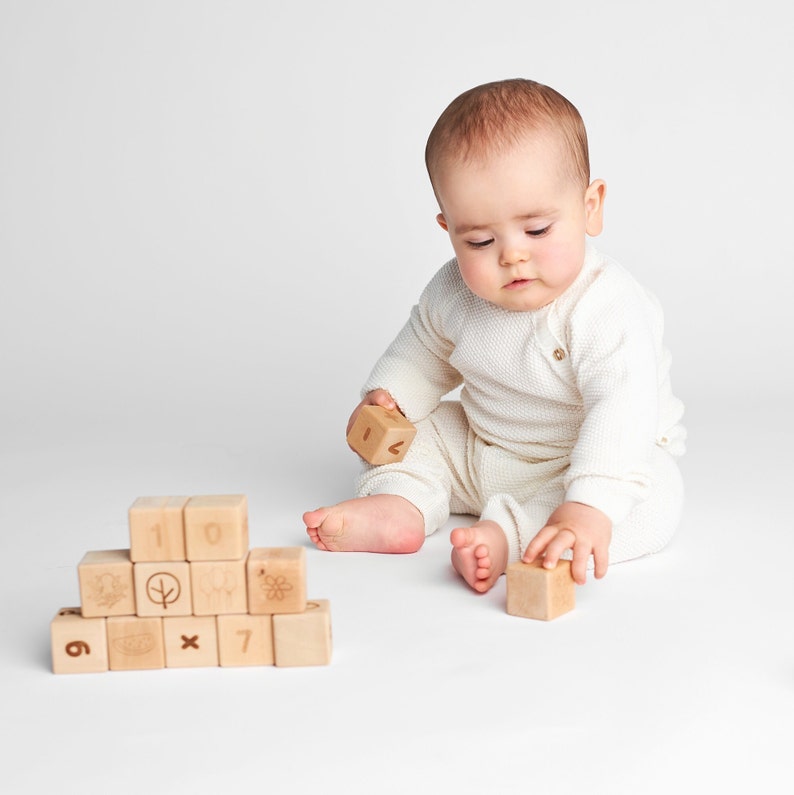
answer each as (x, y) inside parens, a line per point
(218, 586)
(157, 528)
(535, 592)
(380, 436)
(276, 580)
(79, 645)
(162, 588)
(216, 527)
(245, 640)
(303, 638)
(190, 641)
(106, 586)
(135, 643)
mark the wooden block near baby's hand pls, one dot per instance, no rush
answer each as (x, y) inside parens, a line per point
(535, 592)
(381, 436)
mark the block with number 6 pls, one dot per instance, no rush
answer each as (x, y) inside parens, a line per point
(79, 645)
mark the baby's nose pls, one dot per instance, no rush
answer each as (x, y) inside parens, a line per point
(514, 254)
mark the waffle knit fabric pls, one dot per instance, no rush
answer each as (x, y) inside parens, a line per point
(570, 402)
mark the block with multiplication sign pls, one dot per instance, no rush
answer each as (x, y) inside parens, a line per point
(245, 640)
(216, 527)
(304, 638)
(157, 528)
(162, 588)
(190, 641)
(381, 436)
(79, 645)
(106, 585)
(135, 643)
(276, 580)
(536, 592)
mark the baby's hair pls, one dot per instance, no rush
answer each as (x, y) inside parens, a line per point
(495, 116)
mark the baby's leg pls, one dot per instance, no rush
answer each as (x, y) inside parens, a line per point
(479, 553)
(398, 504)
(378, 523)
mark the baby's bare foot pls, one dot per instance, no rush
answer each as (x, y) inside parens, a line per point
(479, 554)
(379, 523)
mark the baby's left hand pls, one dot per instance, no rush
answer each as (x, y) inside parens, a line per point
(582, 528)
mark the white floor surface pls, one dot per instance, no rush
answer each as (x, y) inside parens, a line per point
(674, 673)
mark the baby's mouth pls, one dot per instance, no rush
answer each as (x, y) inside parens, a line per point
(518, 283)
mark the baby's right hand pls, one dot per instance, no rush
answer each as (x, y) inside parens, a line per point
(378, 397)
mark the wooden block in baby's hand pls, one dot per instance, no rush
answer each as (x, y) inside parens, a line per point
(303, 638)
(535, 592)
(381, 436)
(276, 580)
(157, 528)
(79, 645)
(216, 527)
(106, 587)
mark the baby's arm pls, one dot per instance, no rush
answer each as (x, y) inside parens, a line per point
(582, 528)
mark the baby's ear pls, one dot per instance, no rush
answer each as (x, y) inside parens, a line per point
(442, 222)
(594, 207)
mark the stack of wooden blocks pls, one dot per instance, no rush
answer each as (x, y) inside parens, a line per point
(188, 592)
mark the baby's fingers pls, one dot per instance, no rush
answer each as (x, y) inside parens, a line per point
(380, 397)
(537, 546)
(564, 539)
(601, 561)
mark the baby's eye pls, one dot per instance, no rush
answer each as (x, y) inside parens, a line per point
(539, 232)
(479, 243)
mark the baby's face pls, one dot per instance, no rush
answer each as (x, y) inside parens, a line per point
(517, 222)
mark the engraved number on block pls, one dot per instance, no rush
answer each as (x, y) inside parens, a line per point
(76, 647)
(158, 534)
(246, 633)
(212, 533)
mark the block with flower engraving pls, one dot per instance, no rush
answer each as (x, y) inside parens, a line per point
(276, 580)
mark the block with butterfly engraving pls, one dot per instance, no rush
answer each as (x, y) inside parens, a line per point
(79, 645)
(276, 580)
(381, 436)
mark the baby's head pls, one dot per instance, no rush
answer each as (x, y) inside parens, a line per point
(510, 169)
(491, 118)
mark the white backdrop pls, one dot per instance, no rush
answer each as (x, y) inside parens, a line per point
(215, 215)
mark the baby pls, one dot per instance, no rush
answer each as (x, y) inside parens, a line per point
(565, 436)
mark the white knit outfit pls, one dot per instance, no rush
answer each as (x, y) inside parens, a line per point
(571, 402)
